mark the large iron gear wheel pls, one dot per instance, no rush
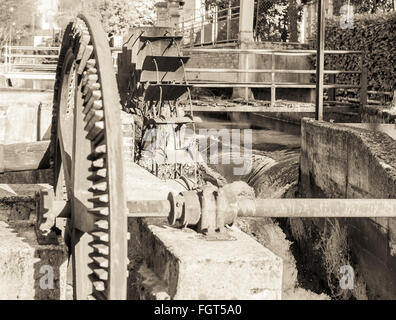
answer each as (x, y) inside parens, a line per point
(86, 145)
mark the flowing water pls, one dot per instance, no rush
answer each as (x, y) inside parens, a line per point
(273, 173)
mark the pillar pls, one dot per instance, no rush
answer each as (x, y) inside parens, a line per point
(246, 61)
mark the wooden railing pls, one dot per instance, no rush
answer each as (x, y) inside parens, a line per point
(273, 84)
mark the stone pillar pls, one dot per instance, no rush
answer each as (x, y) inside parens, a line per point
(162, 14)
(246, 61)
(174, 13)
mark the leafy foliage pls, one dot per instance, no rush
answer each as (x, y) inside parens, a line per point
(15, 19)
(118, 16)
(375, 36)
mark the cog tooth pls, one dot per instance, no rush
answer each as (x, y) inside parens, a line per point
(100, 200)
(85, 39)
(97, 129)
(100, 187)
(90, 86)
(101, 273)
(99, 285)
(98, 175)
(89, 78)
(99, 140)
(91, 71)
(92, 94)
(91, 63)
(93, 116)
(101, 248)
(102, 212)
(93, 105)
(99, 151)
(86, 55)
(102, 236)
(101, 261)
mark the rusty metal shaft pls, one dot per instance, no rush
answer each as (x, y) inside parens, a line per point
(285, 208)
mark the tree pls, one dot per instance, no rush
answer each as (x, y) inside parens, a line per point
(118, 16)
(16, 19)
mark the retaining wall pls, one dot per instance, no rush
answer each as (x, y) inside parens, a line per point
(338, 161)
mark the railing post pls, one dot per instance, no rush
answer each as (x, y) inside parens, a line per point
(203, 29)
(320, 60)
(332, 91)
(229, 12)
(363, 86)
(273, 88)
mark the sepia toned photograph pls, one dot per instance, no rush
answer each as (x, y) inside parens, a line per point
(200, 150)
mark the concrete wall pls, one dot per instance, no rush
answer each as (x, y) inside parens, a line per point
(338, 161)
(25, 116)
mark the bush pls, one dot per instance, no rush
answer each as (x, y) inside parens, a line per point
(374, 35)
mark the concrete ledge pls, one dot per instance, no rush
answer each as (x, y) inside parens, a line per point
(191, 267)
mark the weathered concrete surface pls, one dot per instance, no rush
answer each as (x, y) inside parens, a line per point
(23, 261)
(190, 267)
(25, 116)
(24, 265)
(341, 161)
(24, 156)
(28, 177)
(168, 263)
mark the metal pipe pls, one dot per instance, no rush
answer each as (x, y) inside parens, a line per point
(284, 208)
(318, 208)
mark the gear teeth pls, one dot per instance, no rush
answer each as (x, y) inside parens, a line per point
(96, 130)
(91, 63)
(102, 274)
(102, 224)
(89, 78)
(100, 151)
(98, 175)
(100, 212)
(101, 261)
(92, 94)
(93, 105)
(92, 117)
(86, 55)
(90, 86)
(101, 248)
(91, 71)
(98, 188)
(102, 236)
(101, 200)
(84, 41)
(99, 285)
